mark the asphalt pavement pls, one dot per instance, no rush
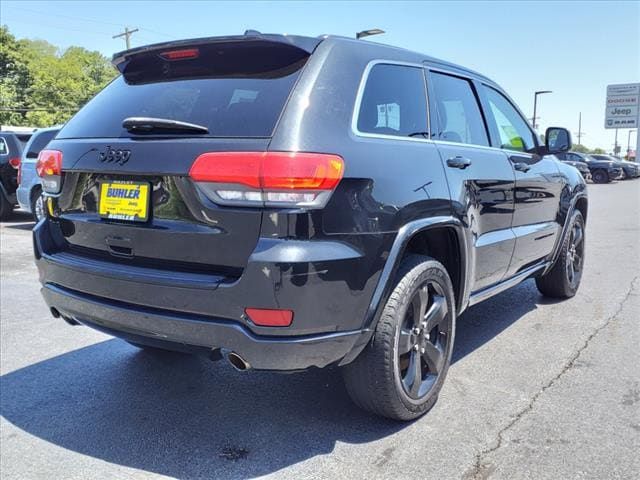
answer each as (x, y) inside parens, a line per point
(538, 389)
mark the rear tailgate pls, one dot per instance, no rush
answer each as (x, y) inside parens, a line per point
(236, 88)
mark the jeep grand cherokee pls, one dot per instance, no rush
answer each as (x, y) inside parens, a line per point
(290, 202)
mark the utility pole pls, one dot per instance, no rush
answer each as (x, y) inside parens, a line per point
(579, 128)
(127, 35)
(616, 148)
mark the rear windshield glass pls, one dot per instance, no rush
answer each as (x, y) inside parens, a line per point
(40, 140)
(236, 103)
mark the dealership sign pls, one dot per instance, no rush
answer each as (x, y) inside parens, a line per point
(623, 102)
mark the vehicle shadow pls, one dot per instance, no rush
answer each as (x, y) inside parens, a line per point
(19, 220)
(186, 417)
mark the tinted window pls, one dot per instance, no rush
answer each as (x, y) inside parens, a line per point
(4, 149)
(513, 130)
(39, 141)
(458, 111)
(228, 107)
(394, 102)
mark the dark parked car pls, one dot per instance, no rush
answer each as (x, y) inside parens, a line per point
(11, 145)
(289, 202)
(29, 192)
(581, 166)
(602, 171)
(629, 169)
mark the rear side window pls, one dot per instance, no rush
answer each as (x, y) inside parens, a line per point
(394, 102)
(39, 141)
(4, 148)
(234, 91)
(458, 111)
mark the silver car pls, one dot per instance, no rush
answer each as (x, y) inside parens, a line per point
(29, 192)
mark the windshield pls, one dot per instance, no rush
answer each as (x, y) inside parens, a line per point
(232, 90)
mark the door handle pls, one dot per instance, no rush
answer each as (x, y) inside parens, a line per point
(521, 167)
(458, 162)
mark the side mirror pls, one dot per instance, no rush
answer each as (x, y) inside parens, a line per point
(557, 140)
(31, 154)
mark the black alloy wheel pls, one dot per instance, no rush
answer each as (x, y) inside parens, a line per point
(422, 340)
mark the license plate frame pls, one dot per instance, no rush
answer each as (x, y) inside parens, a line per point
(118, 200)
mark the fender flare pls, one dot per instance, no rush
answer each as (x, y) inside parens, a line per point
(565, 229)
(384, 285)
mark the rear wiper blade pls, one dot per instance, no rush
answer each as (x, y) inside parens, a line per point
(151, 124)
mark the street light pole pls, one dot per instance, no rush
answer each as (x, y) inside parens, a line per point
(535, 105)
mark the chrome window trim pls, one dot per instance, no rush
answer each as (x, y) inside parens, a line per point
(360, 93)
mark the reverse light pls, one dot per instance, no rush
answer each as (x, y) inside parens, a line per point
(285, 179)
(49, 169)
(182, 54)
(269, 317)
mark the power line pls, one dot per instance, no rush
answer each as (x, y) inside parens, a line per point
(49, 25)
(83, 19)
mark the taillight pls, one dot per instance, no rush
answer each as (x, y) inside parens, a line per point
(49, 169)
(15, 162)
(285, 179)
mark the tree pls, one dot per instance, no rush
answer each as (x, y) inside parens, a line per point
(44, 86)
(14, 79)
(598, 151)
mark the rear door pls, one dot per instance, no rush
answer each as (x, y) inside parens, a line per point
(127, 195)
(538, 181)
(481, 179)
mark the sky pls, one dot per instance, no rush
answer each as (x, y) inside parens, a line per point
(573, 48)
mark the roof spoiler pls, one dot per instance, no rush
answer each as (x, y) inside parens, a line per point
(306, 44)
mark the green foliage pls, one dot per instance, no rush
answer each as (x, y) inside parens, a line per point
(582, 149)
(579, 148)
(41, 86)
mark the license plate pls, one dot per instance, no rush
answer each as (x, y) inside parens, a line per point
(124, 201)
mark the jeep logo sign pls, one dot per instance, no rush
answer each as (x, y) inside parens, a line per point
(622, 106)
(112, 155)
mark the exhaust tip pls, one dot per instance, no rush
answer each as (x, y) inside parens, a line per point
(55, 312)
(238, 362)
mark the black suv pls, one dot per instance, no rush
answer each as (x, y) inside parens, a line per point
(602, 170)
(11, 145)
(288, 202)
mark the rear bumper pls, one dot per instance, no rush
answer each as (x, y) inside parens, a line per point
(22, 196)
(263, 353)
(328, 285)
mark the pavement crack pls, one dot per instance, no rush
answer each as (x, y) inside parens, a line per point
(481, 470)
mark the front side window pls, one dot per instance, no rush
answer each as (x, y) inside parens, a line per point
(458, 111)
(513, 130)
(394, 102)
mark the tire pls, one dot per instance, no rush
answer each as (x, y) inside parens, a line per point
(563, 280)
(6, 208)
(600, 176)
(37, 205)
(381, 379)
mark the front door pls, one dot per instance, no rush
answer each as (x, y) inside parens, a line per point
(538, 181)
(481, 178)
